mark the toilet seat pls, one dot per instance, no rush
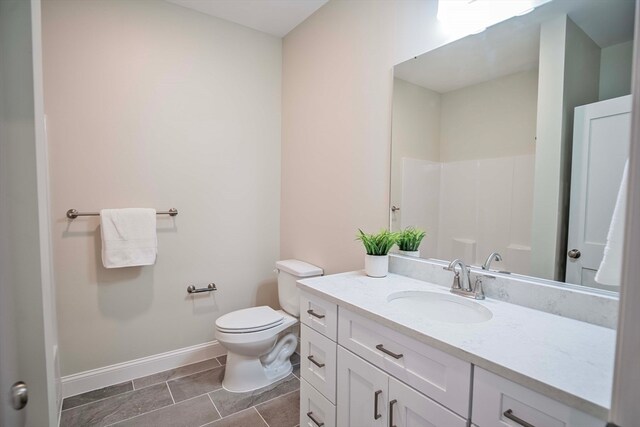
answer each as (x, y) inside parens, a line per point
(254, 319)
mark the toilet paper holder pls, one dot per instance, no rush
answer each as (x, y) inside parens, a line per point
(191, 289)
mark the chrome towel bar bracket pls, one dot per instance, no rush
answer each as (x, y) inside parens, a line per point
(73, 213)
(191, 289)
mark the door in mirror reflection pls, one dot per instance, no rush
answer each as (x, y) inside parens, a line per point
(600, 151)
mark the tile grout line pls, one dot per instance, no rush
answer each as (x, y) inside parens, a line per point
(133, 384)
(254, 406)
(170, 394)
(173, 399)
(182, 376)
(154, 410)
(260, 415)
(214, 405)
(267, 401)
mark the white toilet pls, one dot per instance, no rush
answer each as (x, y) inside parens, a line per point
(255, 356)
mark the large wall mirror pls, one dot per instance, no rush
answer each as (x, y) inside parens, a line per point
(514, 140)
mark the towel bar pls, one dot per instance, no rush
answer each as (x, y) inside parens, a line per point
(73, 213)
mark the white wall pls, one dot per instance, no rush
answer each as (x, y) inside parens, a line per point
(565, 50)
(492, 119)
(336, 127)
(615, 70)
(153, 105)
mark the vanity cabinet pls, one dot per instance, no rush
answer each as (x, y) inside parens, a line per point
(370, 397)
(356, 372)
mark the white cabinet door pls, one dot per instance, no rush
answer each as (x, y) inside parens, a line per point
(362, 392)
(408, 408)
(601, 138)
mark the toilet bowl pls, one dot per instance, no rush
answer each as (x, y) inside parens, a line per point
(258, 347)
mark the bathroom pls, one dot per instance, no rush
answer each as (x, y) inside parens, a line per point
(272, 128)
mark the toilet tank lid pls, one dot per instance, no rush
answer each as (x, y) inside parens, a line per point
(299, 268)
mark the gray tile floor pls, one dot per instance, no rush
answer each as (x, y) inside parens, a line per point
(189, 396)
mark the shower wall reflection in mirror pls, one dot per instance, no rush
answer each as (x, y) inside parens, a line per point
(514, 140)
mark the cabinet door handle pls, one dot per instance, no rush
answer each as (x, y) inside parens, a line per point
(314, 314)
(312, 360)
(509, 414)
(393, 402)
(376, 395)
(384, 350)
(312, 418)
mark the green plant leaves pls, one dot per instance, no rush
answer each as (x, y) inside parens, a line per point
(409, 239)
(377, 244)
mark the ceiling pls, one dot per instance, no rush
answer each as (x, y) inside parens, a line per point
(513, 45)
(275, 17)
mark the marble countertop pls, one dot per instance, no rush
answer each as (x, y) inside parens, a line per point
(565, 359)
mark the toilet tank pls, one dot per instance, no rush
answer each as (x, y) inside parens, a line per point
(289, 271)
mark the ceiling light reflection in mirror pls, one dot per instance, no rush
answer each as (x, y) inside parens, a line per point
(462, 17)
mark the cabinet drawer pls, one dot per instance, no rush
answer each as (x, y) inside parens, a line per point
(315, 410)
(440, 376)
(319, 315)
(495, 399)
(411, 408)
(318, 362)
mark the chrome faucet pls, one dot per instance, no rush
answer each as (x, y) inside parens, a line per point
(464, 270)
(462, 285)
(495, 256)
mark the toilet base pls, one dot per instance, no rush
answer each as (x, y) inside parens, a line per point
(246, 373)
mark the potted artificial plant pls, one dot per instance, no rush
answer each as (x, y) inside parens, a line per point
(376, 261)
(409, 241)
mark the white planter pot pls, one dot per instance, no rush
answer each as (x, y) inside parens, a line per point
(410, 253)
(376, 265)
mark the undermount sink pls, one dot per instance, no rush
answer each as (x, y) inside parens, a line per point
(440, 307)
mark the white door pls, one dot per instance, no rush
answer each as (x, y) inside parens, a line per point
(409, 408)
(601, 135)
(27, 319)
(362, 392)
(625, 411)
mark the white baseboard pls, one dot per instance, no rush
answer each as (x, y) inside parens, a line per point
(127, 371)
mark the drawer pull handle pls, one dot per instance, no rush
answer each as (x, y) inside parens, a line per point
(376, 415)
(390, 353)
(318, 423)
(315, 362)
(393, 402)
(509, 414)
(314, 314)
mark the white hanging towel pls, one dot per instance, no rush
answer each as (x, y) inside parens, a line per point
(610, 271)
(128, 237)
